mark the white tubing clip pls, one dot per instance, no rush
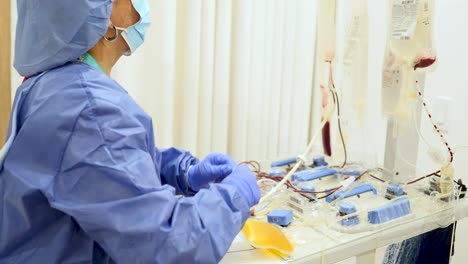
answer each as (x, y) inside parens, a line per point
(302, 159)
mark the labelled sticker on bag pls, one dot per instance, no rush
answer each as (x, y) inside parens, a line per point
(392, 77)
(391, 84)
(404, 19)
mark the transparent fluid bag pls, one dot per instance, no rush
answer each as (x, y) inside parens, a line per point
(355, 61)
(326, 51)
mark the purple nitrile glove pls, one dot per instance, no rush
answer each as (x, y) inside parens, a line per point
(214, 168)
(244, 180)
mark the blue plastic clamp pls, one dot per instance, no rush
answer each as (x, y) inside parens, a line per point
(314, 175)
(274, 172)
(319, 161)
(388, 212)
(280, 217)
(347, 208)
(395, 189)
(356, 191)
(352, 172)
(280, 163)
(309, 188)
(308, 171)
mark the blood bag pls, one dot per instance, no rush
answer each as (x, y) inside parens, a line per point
(326, 41)
(409, 48)
(410, 30)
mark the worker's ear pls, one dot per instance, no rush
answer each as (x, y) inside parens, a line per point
(112, 33)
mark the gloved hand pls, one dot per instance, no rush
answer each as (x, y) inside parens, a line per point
(215, 167)
(244, 180)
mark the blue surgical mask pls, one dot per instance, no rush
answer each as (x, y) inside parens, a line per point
(135, 34)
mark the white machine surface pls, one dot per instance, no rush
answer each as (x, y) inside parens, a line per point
(319, 237)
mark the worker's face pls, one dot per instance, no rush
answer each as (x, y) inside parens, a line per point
(124, 14)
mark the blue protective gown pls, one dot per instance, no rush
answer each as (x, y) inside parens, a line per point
(83, 183)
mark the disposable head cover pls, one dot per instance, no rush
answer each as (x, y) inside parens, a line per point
(51, 33)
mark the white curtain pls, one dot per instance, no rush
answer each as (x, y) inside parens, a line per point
(233, 76)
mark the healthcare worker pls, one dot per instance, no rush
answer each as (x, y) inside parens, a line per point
(80, 178)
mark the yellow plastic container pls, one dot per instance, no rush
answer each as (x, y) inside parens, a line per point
(267, 236)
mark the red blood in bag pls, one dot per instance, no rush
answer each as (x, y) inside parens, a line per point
(326, 139)
(424, 62)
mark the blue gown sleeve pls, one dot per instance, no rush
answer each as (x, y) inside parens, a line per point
(108, 183)
(174, 167)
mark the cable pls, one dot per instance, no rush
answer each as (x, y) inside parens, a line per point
(254, 164)
(437, 130)
(403, 158)
(301, 158)
(423, 177)
(375, 177)
(337, 102)
(301, 192)
(299, 161)
(418, 128)
(288, 183)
